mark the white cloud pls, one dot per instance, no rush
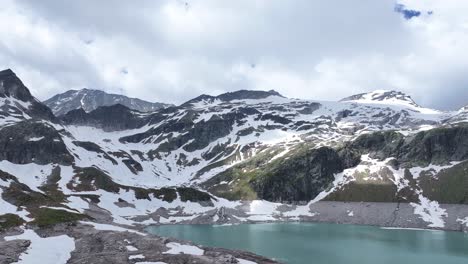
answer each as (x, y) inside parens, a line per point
(172, 51)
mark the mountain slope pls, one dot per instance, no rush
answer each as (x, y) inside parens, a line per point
(90, 100)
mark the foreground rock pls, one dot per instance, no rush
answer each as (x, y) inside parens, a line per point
(111, 244)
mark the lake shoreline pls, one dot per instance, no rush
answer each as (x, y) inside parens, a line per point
(386, 215)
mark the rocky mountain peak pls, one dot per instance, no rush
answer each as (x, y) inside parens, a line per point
(383, 97)
(236, 95)
(91, 99)
(16, 100)
(12, 86)
(247, 94)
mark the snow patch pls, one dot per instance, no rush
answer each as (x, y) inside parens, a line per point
(300, 210)
(261, 210)
(45, 250)
(430, 212)
(104, 227)
(33, 175)
(463, 221)
(139, 256)
(244, 261)
(176, 248)
(34, 139)
(146, 262)
(131, 248)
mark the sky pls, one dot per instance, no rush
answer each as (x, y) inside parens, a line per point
(174, 50)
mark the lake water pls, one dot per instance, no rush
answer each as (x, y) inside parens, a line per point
(309, 243)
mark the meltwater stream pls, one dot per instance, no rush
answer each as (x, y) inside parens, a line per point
(309, 243)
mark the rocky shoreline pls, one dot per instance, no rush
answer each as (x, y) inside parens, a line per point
(99, 243)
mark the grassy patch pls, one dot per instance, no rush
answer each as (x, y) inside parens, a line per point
(21, 195)
(449, 186)
(44, 217)
(10, 220)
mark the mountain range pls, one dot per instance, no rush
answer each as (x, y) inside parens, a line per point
(243, 156)
(89, 100)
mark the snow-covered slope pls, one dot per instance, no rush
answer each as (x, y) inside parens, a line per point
(239, 145)
(89, 100)
(382, 97)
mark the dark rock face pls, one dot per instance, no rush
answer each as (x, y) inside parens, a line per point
(90, 100)
(300, 178)
(12, 87)
(108, 118)
(30, 141)
(436, 146)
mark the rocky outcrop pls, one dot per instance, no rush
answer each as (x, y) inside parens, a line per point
(299, 178)
(435, 146)
(31, 141)
(109, 118)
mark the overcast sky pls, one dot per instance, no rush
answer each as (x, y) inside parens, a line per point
(174, 50)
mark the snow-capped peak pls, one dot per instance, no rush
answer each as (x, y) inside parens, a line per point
(89, 100)
(233, 96)
(383, 97)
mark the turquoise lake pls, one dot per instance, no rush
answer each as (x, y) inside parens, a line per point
(309, 243)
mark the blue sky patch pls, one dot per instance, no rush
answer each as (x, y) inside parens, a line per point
(407, 13)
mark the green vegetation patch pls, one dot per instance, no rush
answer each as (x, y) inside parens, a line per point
(21, 195)
(44, 217)
(10, 220)
(448, 186)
